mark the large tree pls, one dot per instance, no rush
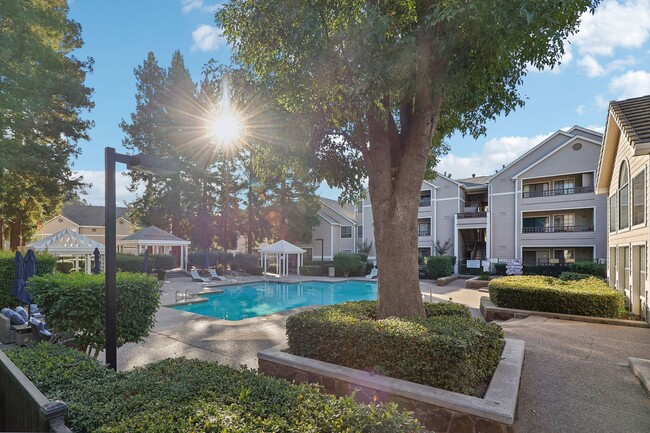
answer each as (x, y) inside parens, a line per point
(42, 97)
(383, 81)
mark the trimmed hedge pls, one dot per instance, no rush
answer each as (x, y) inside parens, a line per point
(586, 297)
(45, 264)
(132, 263)
(244, 262)
(74, 304)
(311, 270)
(197, 258)
(596, 269)
(449, 349)
(181, 395)
(348, 264)
(162, 262)
(572, 276)
(440, 266)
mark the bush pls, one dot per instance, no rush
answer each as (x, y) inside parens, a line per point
(586, 297)
(272, 269)
(311, 270)
(64, 267)
(74, 304)
(590, 268)
(500, 269)
(573, 276)
(162, 262)
(216, 258)
(181, 395)
(45, 264)
(132, 263)
(440, 266)
(448, 349)
(545, 270)
(348, 263)
(245, 262)
(256, 271)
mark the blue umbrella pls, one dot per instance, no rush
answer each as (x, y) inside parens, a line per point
(97, 263)
(29, 271)
(18, 284)
(146, 261)
(206, 259)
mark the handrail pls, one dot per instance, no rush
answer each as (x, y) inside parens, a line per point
(471, 215)
(560, 191)
(557, 229)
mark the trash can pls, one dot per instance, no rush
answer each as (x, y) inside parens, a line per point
(331, 271)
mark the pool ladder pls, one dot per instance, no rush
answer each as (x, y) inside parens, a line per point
(184, 296)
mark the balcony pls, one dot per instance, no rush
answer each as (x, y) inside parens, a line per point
(424, 232)
(471, 215)
(425, 201)
(557, 192)
(558, 229)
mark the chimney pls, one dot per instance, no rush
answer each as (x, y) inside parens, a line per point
(473, 175)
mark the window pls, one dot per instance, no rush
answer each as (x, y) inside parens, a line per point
(424, 228)
(536, 189)
(360, 208)
(535, 224)
(425, 198)
(359, 232)
(345, 251)
(564, 222)
(564, 185)
(612, 213)
(346, 232)
(424, 252)
(623, 197)
(638, 199)
(565, 255)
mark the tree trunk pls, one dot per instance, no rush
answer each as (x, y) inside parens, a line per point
(2, 234)
(14, 239)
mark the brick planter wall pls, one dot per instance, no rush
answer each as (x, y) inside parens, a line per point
(439, 410)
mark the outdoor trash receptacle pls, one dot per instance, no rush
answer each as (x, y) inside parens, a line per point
(331, 271)
(23, 334)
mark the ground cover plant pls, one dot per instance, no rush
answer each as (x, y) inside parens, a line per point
(181, 395)
(586, 297)
(448, 349)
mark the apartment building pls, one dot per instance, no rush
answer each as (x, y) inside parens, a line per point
(86, 220)
(540, 208)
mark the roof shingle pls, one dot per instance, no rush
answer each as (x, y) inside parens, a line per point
(633, 117)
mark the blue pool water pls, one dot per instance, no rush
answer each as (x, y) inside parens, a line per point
(259, 299)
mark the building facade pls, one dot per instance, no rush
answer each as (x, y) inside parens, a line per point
(540, 208)
(623, 180)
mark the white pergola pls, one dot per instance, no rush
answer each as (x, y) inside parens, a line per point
(69, 243)
(280, 251)
(160, 241)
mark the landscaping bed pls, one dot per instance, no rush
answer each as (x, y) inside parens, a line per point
(587, 297)
(449, 349)
(181, 395)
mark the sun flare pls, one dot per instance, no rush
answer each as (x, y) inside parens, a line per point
(227, 128)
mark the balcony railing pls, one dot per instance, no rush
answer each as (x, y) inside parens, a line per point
(424, 232)
(562, 191)
(471, 215)
(425, 201)
(557, 229)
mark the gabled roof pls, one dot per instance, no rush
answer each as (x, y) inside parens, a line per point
(281, 247)
(153, 233)
(332, 212)
(89, 215)
(474, 182)
(67, 242)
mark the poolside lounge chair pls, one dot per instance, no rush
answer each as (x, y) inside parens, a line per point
(196, 277)
(215, 276)
(373, 273)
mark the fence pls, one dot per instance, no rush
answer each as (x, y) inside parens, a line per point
(540, 267)
(23, 408)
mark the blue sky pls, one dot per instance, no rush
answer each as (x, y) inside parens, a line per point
(608, 59)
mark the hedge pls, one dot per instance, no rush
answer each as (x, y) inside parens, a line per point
(449, 349)
(45, 264)
(554, 270)
(182, 395)
(197, 258)
(440, 266)
(586, 297)
(64, 267)
(572, 276)
(311, 270)
(348, 264)
(132, 263)
(162, 262)
(244, 262)
(74, 304)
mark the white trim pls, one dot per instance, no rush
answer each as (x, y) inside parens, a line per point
(351, 233)
(154, 242)
(503, 193)
(335, 211)
(593, 247)
(61, 216)
(325, 219)
(447, 199)
(560, 174)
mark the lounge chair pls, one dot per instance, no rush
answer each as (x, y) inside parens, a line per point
(215, 276)
(196, 277)
(373, 273)
(38, 330)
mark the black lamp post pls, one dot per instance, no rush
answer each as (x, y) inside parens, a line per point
(147, 164)
(322, 253)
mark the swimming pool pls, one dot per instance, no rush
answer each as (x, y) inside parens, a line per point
(259, 299)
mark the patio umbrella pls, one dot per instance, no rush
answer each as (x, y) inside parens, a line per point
(30, 265)
(19, 282)
(146, 261)
(97, 263)
(206, 259)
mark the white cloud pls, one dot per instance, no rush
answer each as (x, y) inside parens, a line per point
(581, 109)
(190, 5)
(496, 152)
(597, 127)
(614, 24)
(95, 194)
(591, 67)
(207, 38)
(631, 84)
(601, 102)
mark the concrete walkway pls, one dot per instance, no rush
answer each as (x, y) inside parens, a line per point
(575, 376)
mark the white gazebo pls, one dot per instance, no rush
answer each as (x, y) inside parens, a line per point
(280, 251)
(157, 241)
(69, 243)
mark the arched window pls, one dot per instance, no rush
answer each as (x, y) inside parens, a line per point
(623, 197)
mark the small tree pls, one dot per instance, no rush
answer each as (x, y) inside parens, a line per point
(347, 262)
(441, 250)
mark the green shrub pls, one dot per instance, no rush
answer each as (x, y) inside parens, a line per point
(216, 258)
(573, 276)
(132, 263)
(448, 349)
(439, 266)
(244, 262)
(181, 395)
(272, 269)
(546, 270)
(586, 297)
(256, 271)
(348, 263)
(45, 264)
(162, 262)
(596, 269)
(484, 277)
(311, 270)
(500, 268)
(64, 267)
(74, 304)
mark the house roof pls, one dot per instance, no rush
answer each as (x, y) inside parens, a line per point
(89, 215)
(281, 247)
(475, 181)
(333, 212)
(633, 117)
(153, 233)
(67, 242)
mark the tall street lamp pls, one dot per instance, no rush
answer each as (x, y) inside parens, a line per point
(141, 162)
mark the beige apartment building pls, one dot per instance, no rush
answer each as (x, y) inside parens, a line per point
(86, 220)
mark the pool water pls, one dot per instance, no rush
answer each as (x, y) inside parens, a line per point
(244, 301)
